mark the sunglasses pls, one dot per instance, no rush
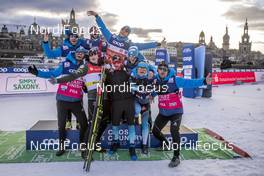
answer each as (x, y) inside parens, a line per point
(92, 53)
(165, 69)
(74, 36)
(117, 62)
(142, 68)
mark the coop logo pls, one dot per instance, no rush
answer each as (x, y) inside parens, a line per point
(187, 50)
(20, 70)
(160, 53)
(118, 43)
(187, 59)
(72, 71)
(3, 70)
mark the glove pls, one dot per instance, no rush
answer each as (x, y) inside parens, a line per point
(53, 80)
(33, 70)
(84, 88)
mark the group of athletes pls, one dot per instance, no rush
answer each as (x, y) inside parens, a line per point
(80, 73)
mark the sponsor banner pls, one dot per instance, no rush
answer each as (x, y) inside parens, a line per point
(188, 68)
(39, 139)
(17, 83)
(16, 70)
(232, 77)
(162, 55)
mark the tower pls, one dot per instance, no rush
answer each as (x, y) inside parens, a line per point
(211, 44)
(245, 45)
(202, 38)
(72, 17)
(70, 24)
(226, 39)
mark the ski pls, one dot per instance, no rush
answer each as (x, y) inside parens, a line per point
(96, 120)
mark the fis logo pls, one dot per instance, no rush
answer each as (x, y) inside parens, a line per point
(160, 53)
(64, 87)
(187, 50)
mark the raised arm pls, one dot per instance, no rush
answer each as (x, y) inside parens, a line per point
(189, 83)
(51, 53)
(54, 73)
(143, 46)
(79, 73)
(105, 31)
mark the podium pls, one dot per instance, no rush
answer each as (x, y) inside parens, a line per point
(44, 136)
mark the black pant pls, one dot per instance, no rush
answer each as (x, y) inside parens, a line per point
(69, 116)
(105, 118)
(76, 108)
(175, 122)
(123, 109)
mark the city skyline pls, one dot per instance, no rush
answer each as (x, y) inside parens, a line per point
(175, 20)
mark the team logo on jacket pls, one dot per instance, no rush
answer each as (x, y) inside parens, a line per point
(64, 47)
(64, 87)
(66, 64)
(171, 80)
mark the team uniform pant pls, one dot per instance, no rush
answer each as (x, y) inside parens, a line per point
(76, 108)
(175, 122)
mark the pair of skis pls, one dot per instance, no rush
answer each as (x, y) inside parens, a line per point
(96, 120)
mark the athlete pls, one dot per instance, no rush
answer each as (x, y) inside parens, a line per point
(170, 105)
(69, 96)
(118, 44)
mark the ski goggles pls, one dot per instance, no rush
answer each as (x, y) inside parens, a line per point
(165, 69)
(94, 52)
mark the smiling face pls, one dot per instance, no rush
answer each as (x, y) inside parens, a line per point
(124, 32)
(93, 57)
(132, 59)
(117, 65)
(79, 56)
(142, 71)
(73, 39)
(94, 32)
(163, 72)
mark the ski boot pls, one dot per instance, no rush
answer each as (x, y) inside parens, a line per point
(132, 153)
(144, 149)
(175, 161)
(68, 125)
(61, 150)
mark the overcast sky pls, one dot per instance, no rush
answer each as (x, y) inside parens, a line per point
(177, 20)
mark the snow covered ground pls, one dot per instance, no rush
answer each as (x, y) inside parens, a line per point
(235, 112)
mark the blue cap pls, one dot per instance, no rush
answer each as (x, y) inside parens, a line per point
(81, 50)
